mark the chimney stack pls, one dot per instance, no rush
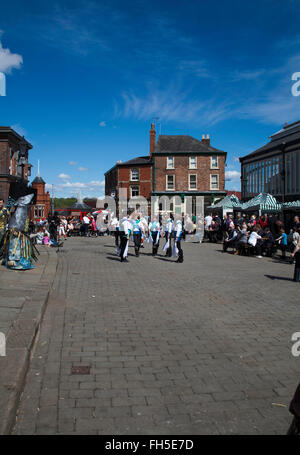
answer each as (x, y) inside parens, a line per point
(152, 138)
(205, 140)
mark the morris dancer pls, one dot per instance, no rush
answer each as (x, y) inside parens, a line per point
(168, 234)
(137, 235)
(125, 231)
(178, 231)
(154, 232)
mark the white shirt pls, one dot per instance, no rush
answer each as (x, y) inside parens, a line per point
(169, 226)
(154, 226)
(178, 228)
(253, 238)
(125, 224)
(86, 220)
(208, 220)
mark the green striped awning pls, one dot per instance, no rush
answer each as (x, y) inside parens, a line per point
(227, 203)
(264, 202)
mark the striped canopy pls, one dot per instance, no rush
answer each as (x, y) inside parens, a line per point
(227, 203)
(263, 202)
(291, 205)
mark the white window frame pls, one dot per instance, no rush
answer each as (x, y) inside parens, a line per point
(211, 162)
(167, 188)
(194, 157)
(218, 183)
(131, 172)
(193, 189)
(170, 167)
(131, 188)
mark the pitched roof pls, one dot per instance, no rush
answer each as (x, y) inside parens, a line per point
(183, 144)
(38, 179)
(288, 135)
(140, 160)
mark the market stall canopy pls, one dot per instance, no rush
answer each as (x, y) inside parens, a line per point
(263, 202)
(291, 205)
(229, 202)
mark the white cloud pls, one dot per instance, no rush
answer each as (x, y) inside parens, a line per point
(97, 183)
(64, 176)
(232, 175)
(82, 168)
(8, 60)
(102, 124)
(73, 163)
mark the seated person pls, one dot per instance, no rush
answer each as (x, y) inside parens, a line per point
(254, 241)
(231, 239)
(242, 238)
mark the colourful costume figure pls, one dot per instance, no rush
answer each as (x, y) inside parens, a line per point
(18, 250)
(154, 232)
(4, 215)
(177, 241)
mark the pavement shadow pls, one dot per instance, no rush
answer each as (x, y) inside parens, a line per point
(273, 277)
(164, 259)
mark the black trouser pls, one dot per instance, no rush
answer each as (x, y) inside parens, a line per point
(123, 243)
(154, 246)
(169, 250)
(86, 229)
(228, 244)
(137, 238)
(117, 235)
(180, 252)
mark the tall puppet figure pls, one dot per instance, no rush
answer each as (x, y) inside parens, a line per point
(18, 250)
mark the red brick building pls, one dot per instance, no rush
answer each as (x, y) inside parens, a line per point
(184, 166)
(14, 166)
(41, 207)
(176, 166)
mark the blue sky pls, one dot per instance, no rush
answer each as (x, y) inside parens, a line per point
(84, 79)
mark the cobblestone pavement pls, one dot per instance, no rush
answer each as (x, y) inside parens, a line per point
(202, 347)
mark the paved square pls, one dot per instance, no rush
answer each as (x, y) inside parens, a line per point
(202, 347)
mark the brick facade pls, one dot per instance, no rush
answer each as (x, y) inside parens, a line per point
(182, 172)
(207, 168)
(14, 166)
(41, 208)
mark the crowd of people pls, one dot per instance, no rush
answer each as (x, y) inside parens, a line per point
(263, 235)
(243, 234)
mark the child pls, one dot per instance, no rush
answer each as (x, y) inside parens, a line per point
(283, 242)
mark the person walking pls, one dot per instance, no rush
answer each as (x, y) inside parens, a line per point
(125, 231)
(86, 223)
(168, 234)
(296, 256)
(178, 233)
(137, 235)
(154, 231)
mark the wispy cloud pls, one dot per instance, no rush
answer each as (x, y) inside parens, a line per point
(73, 163)
(172, 105)
(64, 176)
(82, 169)
(102, 124)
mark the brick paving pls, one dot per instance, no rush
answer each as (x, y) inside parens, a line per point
(202, 347)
